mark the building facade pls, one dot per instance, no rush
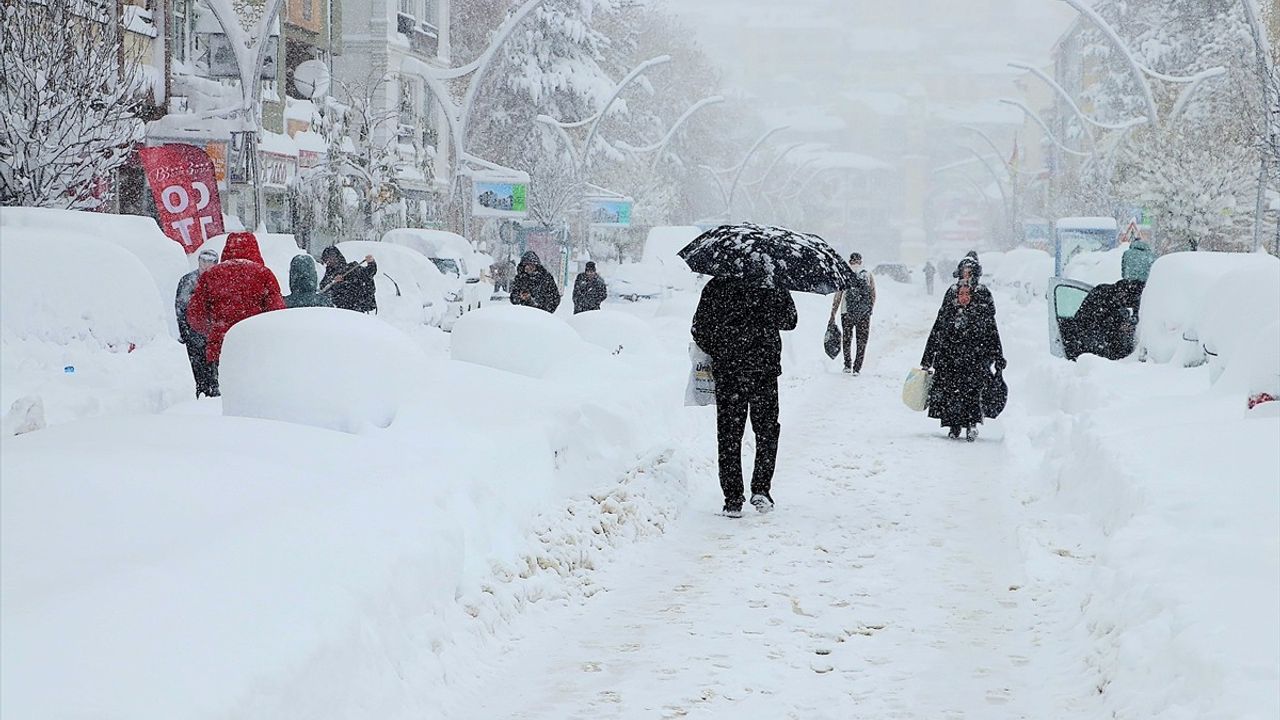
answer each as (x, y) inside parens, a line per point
(386, 43)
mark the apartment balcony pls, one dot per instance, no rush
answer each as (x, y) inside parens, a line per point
(423, 37)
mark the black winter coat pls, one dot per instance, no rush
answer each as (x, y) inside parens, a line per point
(737, 323)
(589, 291)
(544, 294)
(352, 287)
(186, 288)
(962, 348)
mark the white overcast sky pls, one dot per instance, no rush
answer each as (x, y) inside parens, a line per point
(767, 44)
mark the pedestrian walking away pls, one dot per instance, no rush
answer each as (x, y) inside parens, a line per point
(589, 290)
(929, 272)
(350, 285)
(738, 323)
(963, 352)
(859, 301)
(196, 343)
(533, 286)
(303, 286)
(237, 288)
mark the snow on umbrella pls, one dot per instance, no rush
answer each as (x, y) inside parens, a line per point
(775, 256)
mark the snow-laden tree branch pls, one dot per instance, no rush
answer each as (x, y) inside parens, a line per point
(68, 105)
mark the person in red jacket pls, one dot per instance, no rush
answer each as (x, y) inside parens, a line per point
(239, 287)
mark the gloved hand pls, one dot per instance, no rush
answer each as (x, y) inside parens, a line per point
(1001, 364)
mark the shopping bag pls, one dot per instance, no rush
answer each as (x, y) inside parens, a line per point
(915, 391)
(701, 390)
(831, 343)
(995, 394)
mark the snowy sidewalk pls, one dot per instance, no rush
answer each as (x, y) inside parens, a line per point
(887, 585)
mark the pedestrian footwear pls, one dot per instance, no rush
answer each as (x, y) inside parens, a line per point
(848, 371)
(971, 434)
(856, 373)
(733, 511)
(762, 503)
(954, 433)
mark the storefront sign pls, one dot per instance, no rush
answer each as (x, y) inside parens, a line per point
(277, 169)
(501, 199)
(218, 154)
(185, 187)
(606, 212)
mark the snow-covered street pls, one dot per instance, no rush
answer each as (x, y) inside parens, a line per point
(888, 584)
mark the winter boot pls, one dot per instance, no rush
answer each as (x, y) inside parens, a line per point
(732, 511)
(954, 433)
(971, 434)
(762, 503)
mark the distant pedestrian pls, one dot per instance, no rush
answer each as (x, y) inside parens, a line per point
(237, 288)
(533, 286)
(738, 324)
(196, 343)
(962, 349)
(503, 272)
(589, 290)
(929, 272)
(1136, 262)
(859, 302)
(350, 285)
(303, 285)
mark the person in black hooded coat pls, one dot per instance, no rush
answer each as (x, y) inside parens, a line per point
(534, 286)
(962, 349)
(350, 285)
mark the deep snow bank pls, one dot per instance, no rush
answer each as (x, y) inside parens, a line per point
(1161, 500)
(329, 368)
(83, 328)
(515, 338)
(140, 236)
(195, 565)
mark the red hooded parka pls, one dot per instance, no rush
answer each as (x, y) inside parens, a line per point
(239, 287)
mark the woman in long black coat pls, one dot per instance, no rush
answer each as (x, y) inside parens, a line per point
(962, 350)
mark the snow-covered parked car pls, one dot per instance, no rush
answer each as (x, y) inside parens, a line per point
(410, 288)
(635, 281)
(456, 259)
(1203, 307)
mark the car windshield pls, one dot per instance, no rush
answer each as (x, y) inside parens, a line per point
(447, 266)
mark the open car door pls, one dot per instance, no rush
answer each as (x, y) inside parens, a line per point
(1064, 300)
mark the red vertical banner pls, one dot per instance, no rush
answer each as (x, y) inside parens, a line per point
(185, 187)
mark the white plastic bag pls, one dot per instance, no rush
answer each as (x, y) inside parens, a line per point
(915, 391)
(701, 390)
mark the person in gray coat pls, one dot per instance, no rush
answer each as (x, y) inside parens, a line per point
(201, 369)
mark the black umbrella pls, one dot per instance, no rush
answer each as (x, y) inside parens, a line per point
(776, 257)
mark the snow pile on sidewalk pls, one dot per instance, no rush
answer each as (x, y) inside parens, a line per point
(329, 368)
(1164, 530)
(84, 329)
(515, 338)
(302, 572)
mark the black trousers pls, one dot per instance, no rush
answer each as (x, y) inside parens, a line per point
(863, 327)
(204, 372)
(739, 395)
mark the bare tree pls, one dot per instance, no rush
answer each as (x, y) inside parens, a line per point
(68, 98)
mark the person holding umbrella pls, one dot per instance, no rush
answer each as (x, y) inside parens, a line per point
(962, 349)
(740, 317)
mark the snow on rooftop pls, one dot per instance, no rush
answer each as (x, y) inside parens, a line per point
(277, 144)
(311, 141)
(303, 110)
